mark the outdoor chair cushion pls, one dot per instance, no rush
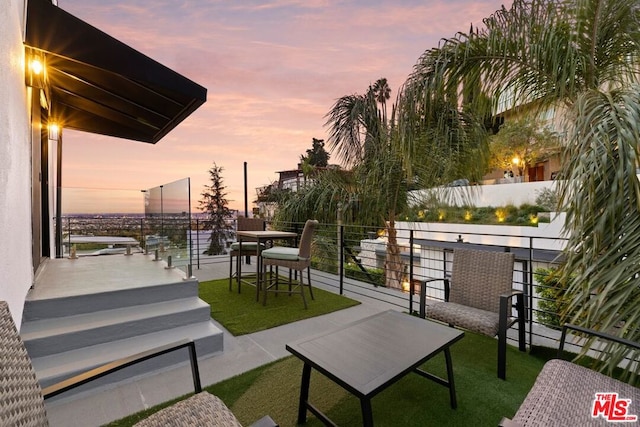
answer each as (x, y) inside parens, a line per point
(246, 246)
(283, 253)
(471, 318)
(563, 395)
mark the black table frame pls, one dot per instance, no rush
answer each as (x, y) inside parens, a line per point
(351, 335)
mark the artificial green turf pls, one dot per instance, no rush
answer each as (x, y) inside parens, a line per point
(483, 399)
(241, 314)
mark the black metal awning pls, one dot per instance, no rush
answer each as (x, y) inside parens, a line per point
(100, 85)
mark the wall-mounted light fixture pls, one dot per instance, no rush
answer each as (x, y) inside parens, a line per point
(35, 68)
(54, 131)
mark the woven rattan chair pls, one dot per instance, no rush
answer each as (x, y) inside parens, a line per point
(478, 298)
(22, 399)
(564, 393)
(295, 259)
(248, 248)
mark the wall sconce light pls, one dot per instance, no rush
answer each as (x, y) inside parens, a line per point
(54, 131)
(35, 68)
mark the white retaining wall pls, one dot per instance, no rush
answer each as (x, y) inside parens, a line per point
(504, 194)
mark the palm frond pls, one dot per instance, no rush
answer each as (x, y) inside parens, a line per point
(601, 192)
(583, 55)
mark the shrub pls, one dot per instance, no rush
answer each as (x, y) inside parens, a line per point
(547, 198)
(506, 215)
(553, 301)
(324, 254)
(375, 276)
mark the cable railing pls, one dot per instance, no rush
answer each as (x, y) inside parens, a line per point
(354, 259)
(348, 259)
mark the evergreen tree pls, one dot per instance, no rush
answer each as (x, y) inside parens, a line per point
(214, 204)
(316, 156)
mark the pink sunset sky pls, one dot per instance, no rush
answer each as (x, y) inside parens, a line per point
(272, 68)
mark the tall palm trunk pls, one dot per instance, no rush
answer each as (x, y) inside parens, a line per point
(393, 265)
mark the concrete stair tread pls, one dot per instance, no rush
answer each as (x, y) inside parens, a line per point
(37, 329)
(62, 365)
(106, 299)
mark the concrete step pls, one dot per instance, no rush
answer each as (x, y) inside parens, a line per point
(48, 308)
(62, 334)
(57, 367)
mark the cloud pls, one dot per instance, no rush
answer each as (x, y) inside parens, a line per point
(272, 70)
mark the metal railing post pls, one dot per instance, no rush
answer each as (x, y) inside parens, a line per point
(411, 291)
(423, 299)
(198, 242)
(340, 241)
(69, 237)
(142, 241)
(529, 299)
(169, 265)
(341, 251)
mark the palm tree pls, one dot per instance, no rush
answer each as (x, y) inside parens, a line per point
(362, 138)
(382, 93)
(368, 143)
(582, 56)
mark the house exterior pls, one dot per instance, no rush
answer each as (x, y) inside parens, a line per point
(16, 258)
(288, 180)
(552, 118)
(84, 74)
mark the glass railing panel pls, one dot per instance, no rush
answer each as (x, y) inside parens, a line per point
(98, 221)
(167, 211)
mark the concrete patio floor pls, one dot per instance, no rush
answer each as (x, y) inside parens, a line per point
(240, 354)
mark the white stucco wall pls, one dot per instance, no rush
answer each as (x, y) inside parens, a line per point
(504, 194)
(16, 274)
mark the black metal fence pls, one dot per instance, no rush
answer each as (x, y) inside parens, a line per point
(354, 260)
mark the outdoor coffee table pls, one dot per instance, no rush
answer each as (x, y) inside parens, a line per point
(367, 356)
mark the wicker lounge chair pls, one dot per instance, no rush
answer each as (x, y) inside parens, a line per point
(297, 259)
(22, 399)
(564, 394)
(478, 298)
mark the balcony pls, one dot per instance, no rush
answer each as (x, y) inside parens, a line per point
(350, 268)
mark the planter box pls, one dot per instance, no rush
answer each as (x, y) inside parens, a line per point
(544, 236)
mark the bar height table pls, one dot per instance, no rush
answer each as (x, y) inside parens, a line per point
(262, 237)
